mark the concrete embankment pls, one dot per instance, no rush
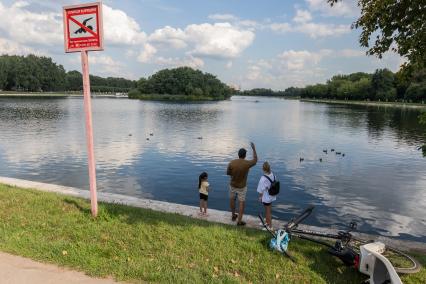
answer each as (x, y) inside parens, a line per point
(59, 95)
(217, 216)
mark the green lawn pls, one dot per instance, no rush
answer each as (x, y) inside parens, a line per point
(137, 245)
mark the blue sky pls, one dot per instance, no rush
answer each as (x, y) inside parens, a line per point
(247, 44)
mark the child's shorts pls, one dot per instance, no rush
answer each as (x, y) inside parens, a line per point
(204, 196)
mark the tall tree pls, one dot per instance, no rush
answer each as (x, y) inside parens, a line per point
(399, 25)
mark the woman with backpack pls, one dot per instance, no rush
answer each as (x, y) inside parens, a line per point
(268, 190)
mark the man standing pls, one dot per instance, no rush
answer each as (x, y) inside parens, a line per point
(238, 170)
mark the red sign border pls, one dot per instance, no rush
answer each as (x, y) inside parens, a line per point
(99, 22)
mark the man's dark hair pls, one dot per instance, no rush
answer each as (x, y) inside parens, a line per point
(242, 153)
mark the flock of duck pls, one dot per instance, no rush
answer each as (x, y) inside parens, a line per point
(301, 159)
(152, 134)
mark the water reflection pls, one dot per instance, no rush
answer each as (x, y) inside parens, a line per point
(379, 182)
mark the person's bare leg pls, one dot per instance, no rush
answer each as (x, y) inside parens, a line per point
(232, 203)
(241, 210)
(268, 211)
(205, 207)
(201, 206)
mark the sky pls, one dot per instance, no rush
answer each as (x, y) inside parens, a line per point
(246, 43)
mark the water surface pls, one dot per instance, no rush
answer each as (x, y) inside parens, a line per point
(380, 182)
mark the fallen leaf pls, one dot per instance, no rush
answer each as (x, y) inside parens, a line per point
(64, 252)
(233, 261)
(216, 269)
(250, 260)
(277, 276)
(236, 274)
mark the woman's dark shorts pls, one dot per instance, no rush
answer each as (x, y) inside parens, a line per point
(267, 204)
(204, 196)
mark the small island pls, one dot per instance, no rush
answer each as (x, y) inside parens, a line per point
(181, 84)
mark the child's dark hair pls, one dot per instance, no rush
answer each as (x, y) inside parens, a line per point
(203, 175)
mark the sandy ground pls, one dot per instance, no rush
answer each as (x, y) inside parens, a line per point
(17, 270)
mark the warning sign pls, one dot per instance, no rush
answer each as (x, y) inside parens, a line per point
(83, 27)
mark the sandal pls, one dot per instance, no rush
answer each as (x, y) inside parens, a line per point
(234, 217)
(241, 223)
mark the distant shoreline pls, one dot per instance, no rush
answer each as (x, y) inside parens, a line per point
(175, 98)
(366, 103)
(54, 95)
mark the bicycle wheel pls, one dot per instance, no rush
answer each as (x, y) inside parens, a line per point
(401, 261)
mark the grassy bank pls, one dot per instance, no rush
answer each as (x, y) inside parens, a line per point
(176, 98)
(366, 103)
(134, 244)
(35, 94)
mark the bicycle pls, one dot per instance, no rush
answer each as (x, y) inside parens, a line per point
(346, 246)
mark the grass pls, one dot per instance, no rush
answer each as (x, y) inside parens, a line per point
(137, 245)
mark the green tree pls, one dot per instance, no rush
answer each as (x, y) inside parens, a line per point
(396, 24)
(183, 81)
(382, 83)
(3, 74)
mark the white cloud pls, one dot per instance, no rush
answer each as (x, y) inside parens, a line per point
(13, 48)
(302, 23)
(169, 36)
(351, 53)
(220, 40)
(23, 26)
(46, 28)
(223, 17)
(315, 30)
(229, 18)
(347, 8)
(103, 65)
(121, 29)
(190, 61)
(298, 60)
(249, 24)
(228, 65)
(280, 27)
(148, 52)
(302, 16)
(289, 68)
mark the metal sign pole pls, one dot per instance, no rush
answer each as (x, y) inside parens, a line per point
(89, 132)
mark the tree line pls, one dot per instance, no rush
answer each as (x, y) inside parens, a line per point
(40, 74)
(182, 82)
(382, 85)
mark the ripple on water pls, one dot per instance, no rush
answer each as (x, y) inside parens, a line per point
(380, 181)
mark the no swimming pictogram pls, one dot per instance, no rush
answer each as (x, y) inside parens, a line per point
(83, 27)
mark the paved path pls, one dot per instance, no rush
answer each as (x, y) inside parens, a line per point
(20, 270)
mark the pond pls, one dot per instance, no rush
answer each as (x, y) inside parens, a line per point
(157, 150)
